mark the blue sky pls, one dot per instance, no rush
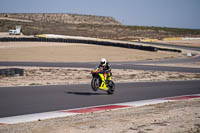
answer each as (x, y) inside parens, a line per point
(165, 13)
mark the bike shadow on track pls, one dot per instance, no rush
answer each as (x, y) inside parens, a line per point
(85, 93)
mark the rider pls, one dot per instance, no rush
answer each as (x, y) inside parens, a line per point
(104, 65)
(105, 68)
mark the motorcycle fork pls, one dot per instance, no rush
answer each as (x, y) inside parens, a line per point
(103, 84)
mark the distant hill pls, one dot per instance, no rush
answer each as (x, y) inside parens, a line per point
(62, 18)
(87, 26)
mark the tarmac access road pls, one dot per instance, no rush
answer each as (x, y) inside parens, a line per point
(115, 65)
(171, 45)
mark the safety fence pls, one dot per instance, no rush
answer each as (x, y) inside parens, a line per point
(83, 41)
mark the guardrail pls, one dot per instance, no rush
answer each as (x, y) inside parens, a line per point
(84, 41)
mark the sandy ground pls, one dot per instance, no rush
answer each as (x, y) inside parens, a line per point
(60, 76)
(173, 117)
(65, 52)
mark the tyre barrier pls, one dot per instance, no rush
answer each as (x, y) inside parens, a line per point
(93, 42)
(11, 72)
(170, 50)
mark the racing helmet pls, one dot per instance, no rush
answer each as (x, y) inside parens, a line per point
(103, 61)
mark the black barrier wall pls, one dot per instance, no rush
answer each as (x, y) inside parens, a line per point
(11, 72)
(93, 42)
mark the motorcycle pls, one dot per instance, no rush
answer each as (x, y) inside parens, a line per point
(102, 80)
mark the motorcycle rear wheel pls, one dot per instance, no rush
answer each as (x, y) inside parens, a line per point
(111, 86)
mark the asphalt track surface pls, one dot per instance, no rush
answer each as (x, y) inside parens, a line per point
(36, 99)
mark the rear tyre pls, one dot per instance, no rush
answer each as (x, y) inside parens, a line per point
(111, 86)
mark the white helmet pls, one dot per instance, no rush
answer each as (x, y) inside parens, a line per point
(103, 61)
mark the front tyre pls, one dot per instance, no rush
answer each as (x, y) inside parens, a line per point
(111, 86)
(95, 83)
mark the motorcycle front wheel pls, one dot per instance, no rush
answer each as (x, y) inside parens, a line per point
(95, 83)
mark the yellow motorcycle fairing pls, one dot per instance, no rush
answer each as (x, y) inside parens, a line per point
(104, 77)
